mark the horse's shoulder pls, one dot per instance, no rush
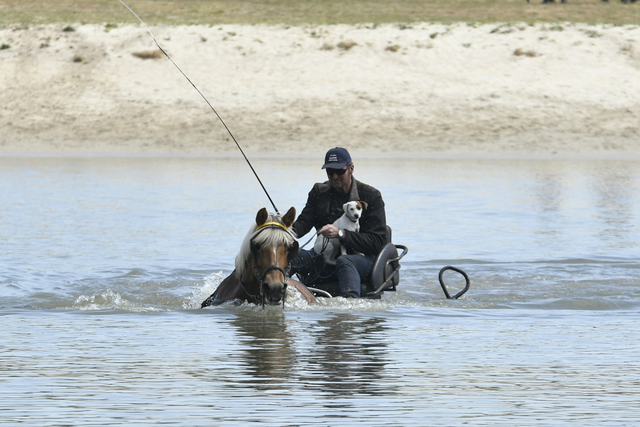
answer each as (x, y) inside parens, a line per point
(227, 290)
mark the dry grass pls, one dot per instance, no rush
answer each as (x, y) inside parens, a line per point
(29, 12)
(627, 49)
(529, 53)
(347, 44)
(148, 54)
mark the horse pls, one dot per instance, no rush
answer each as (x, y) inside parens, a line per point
(262, 266)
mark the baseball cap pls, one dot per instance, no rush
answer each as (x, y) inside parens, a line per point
(336, 158)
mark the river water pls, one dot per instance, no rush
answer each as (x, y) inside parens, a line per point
(105, 260)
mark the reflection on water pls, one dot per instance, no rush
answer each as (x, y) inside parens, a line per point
(548, 193)
(614, 191)
(344, 353)
(348, 355)
(268, 354)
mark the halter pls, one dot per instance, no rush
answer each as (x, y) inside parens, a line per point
(285, 273)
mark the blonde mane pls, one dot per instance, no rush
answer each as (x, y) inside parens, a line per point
(275, 236)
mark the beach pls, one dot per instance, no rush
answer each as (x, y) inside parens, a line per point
(492, 90)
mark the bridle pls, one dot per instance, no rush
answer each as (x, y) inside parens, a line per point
(256, 268)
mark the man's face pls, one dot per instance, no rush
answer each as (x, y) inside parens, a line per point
(340, 179)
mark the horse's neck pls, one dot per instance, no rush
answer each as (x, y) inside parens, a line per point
(249, 280)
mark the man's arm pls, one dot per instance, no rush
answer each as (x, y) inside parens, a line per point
(305, 220)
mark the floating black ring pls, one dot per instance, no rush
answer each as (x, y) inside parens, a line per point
(444, 287)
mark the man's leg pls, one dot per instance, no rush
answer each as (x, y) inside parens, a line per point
(352, 271)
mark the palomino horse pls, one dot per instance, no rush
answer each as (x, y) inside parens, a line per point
(261, 273)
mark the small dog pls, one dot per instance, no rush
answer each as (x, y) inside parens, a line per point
(350, 220)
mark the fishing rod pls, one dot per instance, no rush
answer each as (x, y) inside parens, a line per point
(208, 103)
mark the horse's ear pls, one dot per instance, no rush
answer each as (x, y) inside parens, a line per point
(289, 217)
(262, 216)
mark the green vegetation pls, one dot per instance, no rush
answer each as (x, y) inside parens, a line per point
(293, 12)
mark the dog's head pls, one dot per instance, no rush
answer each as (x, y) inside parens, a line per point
(353, 210)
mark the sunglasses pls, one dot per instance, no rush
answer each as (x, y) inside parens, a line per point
(338, 172)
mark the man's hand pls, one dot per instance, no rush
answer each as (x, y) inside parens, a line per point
(329, 231)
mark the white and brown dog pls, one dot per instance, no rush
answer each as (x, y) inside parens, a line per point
(350, 220)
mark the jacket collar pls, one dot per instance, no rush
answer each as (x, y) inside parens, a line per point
(354, 196)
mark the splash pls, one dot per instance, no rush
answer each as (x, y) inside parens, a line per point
(209, 286)
(108, 300)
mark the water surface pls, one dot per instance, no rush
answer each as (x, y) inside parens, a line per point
(104, 262)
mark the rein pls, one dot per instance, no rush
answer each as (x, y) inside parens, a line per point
(252, 296)
(309, 241)
(208, 103)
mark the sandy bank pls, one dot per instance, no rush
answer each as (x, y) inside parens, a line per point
(430, 89)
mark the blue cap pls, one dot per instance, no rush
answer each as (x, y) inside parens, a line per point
(336, 158)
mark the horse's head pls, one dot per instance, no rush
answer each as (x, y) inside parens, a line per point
(272, 248)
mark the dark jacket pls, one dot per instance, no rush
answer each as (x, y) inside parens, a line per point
(373, 224)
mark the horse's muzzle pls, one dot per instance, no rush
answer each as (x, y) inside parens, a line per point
(274, 293)
(273, 290)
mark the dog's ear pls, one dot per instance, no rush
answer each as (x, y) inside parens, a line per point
(345, 206)
(364, 204)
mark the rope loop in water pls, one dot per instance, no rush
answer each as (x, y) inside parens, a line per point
(444, 287)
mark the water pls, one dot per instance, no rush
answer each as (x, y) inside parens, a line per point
(104, 261)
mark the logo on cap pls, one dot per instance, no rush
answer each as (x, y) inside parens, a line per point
(336, 158)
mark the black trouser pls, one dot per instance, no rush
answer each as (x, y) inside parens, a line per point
(344, 278)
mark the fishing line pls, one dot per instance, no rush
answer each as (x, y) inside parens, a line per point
(207, 101)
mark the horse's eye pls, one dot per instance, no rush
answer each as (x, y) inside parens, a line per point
(255, 247)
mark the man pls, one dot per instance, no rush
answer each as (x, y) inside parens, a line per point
(324, 206)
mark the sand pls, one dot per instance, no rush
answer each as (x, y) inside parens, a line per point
(426, 90)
